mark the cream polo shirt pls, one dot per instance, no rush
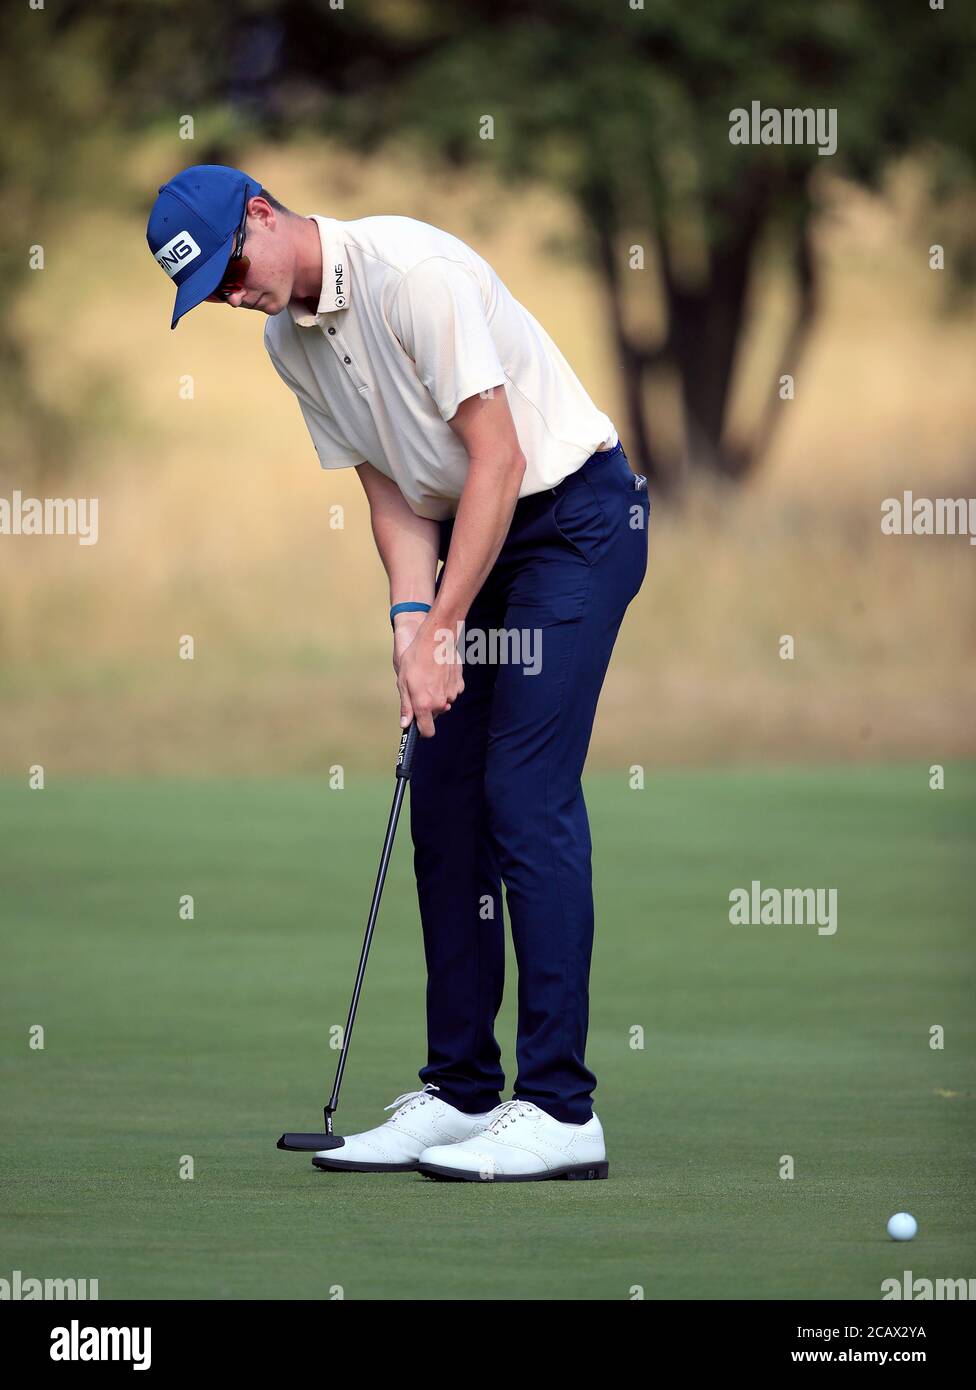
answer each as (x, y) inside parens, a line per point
(410, 323)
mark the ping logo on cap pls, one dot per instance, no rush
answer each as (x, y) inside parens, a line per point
(177, 253)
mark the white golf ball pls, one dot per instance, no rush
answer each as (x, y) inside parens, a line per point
(902, 1226)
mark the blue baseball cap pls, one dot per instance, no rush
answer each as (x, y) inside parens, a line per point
(192, 227)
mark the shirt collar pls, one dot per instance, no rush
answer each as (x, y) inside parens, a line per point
(336, 286)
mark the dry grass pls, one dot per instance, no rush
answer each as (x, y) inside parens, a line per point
(215, 521)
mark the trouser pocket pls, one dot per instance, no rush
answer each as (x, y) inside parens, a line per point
(582, 522)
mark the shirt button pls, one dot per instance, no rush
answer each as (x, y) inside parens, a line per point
(332, 331)
(347, 359)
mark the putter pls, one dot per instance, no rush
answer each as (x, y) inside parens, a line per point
(302, 1143)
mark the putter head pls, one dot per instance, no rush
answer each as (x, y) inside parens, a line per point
(310, 1143)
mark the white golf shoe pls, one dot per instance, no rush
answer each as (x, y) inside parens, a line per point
(521, 1143)
(419, 1121)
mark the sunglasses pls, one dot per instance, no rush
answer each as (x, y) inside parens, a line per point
(237, 267)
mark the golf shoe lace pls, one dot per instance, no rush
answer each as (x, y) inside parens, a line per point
(506, 1113)
(409, 1099)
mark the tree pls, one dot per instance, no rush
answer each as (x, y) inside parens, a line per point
(622, 105)
(627, 110)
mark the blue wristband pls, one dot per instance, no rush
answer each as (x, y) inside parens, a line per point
(409, 607)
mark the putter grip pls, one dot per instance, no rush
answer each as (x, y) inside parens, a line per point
(408, 743)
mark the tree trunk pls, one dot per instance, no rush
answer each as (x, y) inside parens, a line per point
(632, 357)
(705, 328)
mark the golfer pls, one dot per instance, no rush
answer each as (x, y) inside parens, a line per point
(476, 445)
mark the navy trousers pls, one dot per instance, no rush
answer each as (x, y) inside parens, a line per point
(496, 797)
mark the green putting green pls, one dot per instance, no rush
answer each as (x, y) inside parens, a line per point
(166, 1038)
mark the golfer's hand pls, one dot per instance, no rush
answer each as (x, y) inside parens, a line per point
(430, 677)
(405, 628)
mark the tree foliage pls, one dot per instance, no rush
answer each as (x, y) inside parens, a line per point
(623, 109)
